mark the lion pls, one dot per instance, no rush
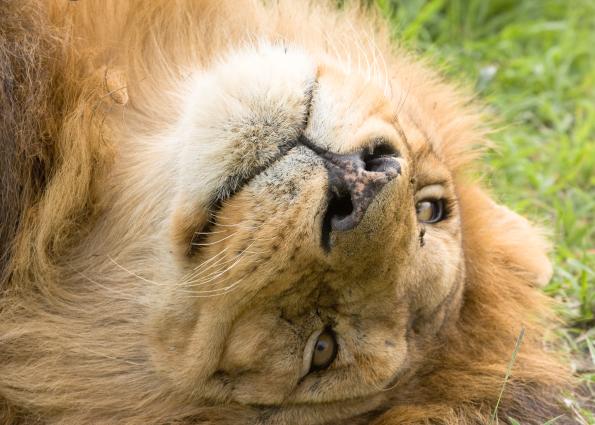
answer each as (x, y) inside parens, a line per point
(254, 212)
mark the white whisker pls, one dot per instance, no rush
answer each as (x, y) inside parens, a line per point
(218, 274)
(214, 242)
(226, 290)
(121, 294)
(205, 262)
(134, 274)
(209, 233)
(193, 277)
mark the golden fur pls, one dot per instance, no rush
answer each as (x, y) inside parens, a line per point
(126, 297)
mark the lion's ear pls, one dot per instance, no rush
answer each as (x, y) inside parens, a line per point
(505, 236)
(529, 248)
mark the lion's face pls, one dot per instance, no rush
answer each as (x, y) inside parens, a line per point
(305, 240)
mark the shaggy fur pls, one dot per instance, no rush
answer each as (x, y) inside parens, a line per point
(99, 231)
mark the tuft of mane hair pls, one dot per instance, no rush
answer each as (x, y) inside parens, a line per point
(28, 49)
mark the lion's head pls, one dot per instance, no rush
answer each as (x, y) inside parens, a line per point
(258, 214)
(312, 236)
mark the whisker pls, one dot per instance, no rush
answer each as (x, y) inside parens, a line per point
(227, 290)
(216, 275)
(214, 242)
(197, 270)
(207, 261)
(209, 233)
(134, 274)
(193, 277)
(237, 225)
(121, 294)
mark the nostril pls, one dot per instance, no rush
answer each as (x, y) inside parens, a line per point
(381, 156)
(339, 207)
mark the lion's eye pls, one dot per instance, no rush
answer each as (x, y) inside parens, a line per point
(325, 351)
(430, 210)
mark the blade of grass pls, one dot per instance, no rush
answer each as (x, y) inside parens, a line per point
(517, 348)
(591, 349)
(430, 9)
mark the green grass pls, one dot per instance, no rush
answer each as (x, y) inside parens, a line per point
(533, 63)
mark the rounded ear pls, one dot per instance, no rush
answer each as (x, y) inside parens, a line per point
(530, 241)
(508, 238)
(114, 80)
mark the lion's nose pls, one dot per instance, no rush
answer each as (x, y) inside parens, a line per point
(354, 181)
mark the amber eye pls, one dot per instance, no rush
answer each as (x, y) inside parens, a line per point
(325, 351)
(430, 210)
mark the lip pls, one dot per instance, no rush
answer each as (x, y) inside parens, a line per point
(232, 186)
(235, 183)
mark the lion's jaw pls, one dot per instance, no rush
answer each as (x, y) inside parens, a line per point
(244, 279)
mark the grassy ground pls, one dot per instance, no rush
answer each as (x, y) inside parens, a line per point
(533, 63)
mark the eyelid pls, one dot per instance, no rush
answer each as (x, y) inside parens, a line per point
(309, 351)
(432, 191)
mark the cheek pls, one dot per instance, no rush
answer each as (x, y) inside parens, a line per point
(438, 269)
(250, 347)
(262, 359)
